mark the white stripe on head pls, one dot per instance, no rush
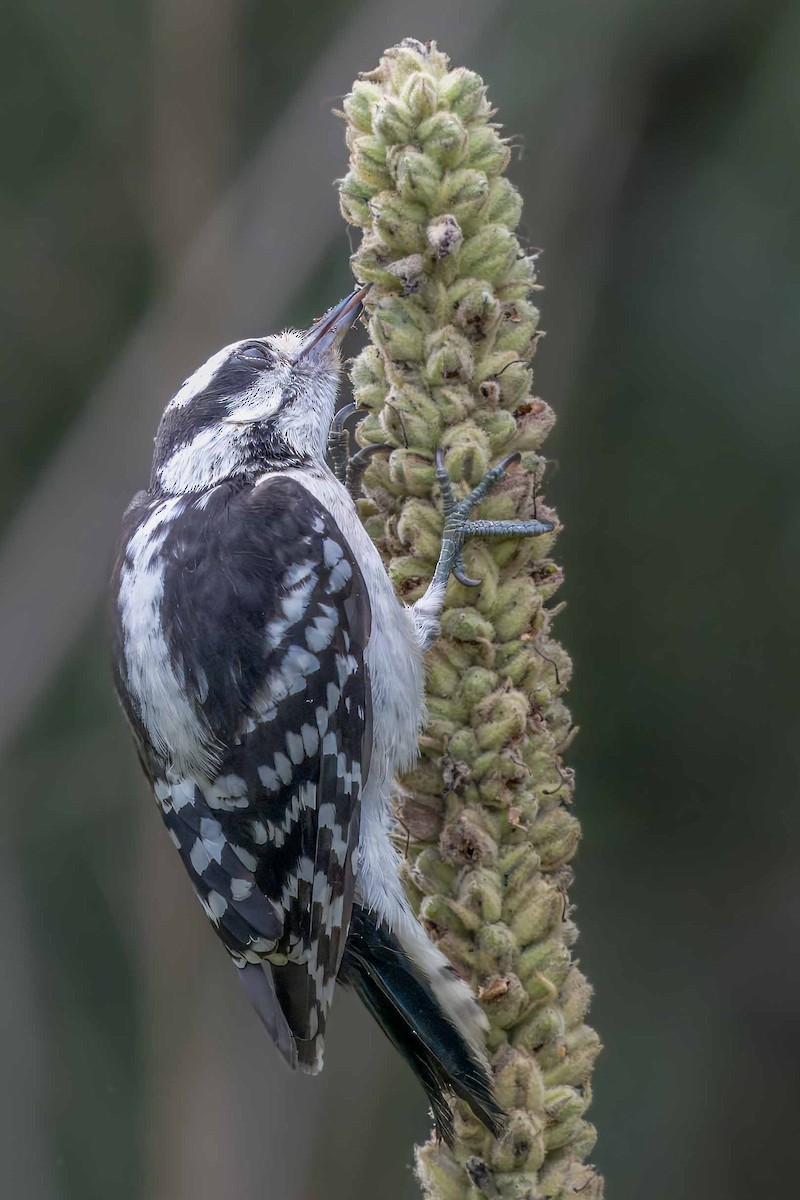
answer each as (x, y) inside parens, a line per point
(199, 381)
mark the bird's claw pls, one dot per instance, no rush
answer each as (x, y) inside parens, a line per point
(458, 527)
(348, 468)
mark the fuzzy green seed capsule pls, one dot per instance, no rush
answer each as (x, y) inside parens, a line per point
(464, 93)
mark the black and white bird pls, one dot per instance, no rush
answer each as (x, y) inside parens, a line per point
(274, 685)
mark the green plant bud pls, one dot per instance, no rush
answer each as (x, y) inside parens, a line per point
(425, 776)
(431, 874)
(419, 95)
(392, 121)
(400, 224)
(526, 887)
(447, 353)
(407, 58)
(354, 206)
(496, 951)
(540, 989)
(375, 527)
(442, 913)
(461, 654)
(514, 660)
(516, 335)
(543, 1024)
(464, 93)
(442, 677)
(562, 1133)
(440, 1175)
(381, 476)
(517, 1080)
(519, 864)
(487, 151)
(420, 524)
(499, 427)
(410, 576)
(500, 718)
(494, 784)
(462, 747)
(569, 1177)
(549, 578)
(464, 194)
(359, 104)
(518, 602)
(504, 1000)
(519, 280)
(398, 334)
(444, 235)
(478, 313)
(418, 177)
(369, 378)
(416, 476)
(576, 998)
(479, 891)
(477, 683)
(465, 841)
(368, 161)
(521, 1145)
(556, 837)
(544, 966)
(485, 766)
(583, 1143)
(489, 253)
(453, 402)
(407, 271)
(505, 204)
(513, 379)
(533, 424)
(466, 452)
(537, 913)
(444, 138)
(374, 266)
(571, 1061)
(465, 625)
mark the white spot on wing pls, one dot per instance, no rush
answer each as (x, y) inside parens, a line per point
(331, 552)
(241, 888)
(294, 744)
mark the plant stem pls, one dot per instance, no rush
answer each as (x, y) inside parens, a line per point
(487, 810)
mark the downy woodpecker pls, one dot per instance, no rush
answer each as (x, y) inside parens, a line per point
(274, 685)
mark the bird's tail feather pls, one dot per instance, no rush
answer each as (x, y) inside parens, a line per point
(259, 983)
(406, 1008)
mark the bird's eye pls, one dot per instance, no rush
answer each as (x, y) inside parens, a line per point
(256, 354)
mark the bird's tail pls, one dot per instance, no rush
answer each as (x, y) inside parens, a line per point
(403, 1000)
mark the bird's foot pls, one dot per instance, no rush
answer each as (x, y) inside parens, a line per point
(459, 528)
(348, 468)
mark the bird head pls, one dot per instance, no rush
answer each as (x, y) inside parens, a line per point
(259, 404)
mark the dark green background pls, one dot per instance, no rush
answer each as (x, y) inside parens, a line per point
(658, 158)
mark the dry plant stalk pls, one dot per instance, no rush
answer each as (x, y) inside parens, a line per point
(487, 811)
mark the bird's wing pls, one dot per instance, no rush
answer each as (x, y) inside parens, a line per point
(266, 615)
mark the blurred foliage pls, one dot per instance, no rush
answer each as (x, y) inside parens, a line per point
(658, 162)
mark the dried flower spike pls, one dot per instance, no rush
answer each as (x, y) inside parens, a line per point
(487, 811)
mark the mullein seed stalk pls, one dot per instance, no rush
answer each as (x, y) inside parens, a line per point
(487, 812)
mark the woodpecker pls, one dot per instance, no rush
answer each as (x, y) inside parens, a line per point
(274, 685)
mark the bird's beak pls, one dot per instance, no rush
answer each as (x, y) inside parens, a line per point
(329, 330)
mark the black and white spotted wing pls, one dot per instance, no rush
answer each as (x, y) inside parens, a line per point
(266, 618)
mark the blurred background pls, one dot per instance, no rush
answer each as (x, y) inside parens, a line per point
(167, 186)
